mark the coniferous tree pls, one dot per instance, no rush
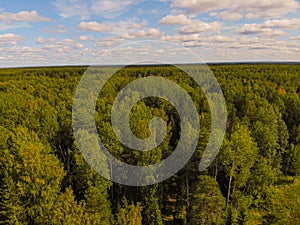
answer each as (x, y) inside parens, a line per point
(207, 204)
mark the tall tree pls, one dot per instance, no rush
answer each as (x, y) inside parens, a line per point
(34, 174)
(207, 203)
(129, 214)
(240, 154)
(66, 210)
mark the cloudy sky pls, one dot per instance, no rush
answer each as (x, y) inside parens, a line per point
(62, 32)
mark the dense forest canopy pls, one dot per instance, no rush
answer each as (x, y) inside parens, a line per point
(253, 180)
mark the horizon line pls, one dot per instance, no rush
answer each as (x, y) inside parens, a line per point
(174, 64)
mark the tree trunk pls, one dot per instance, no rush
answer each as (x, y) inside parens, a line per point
(228, 192)
(233, 187)
(216, 171)
(187, 190)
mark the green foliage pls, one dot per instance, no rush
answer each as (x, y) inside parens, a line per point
(207, 204)
(129, 214)
(31, 176)
(11, 206)
(239, 155)
(66, 210)
(97, 202)
(44, 179)
(283, 205)
(151, 212)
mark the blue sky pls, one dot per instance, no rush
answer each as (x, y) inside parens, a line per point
(63, 32)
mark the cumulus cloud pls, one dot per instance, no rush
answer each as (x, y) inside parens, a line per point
(252, 8)
(195, 40)
(149, 33)
(263, 43)
(237, 48)
(63, 46)
(83, 38)
(41, 40)
(297, 38)
(109, 41)
(85, 8)
(136, 33)
(270, 9)
(67, 41)
(24, 16)
(291, 24)
(227, 15)
(10, 38)
(199, 26)
(259, 29)
(126, 26)
(200, 6)
(181, 38)
(79, 45)
(270, 27)
(128, 36)
(175, 20)
(94, 26)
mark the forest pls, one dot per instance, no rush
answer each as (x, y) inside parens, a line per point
(255, 178)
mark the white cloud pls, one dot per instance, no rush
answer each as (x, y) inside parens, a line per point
(63, 46)
(135, 33)
(7, 26)
(175, 20)
(111, 8)
(181, 38)
(252, 8)
(227, 15)
(51, 55)
(222, 39)
(200, 6)
(79, 45)
(40, 40)
(67, 41)
(264, 43)
(128, 36)
(259, 29)
(51, 39)
(196, 40)
(86, 8)
(94, 26)
(237, 48)
(10, 38)
(199, 26)
(297, 38)
(83, 38)
(228, 40)
(149, 33)
(109, 41)
(270, 27)
(85, 51)
(24, 16)
(270, 9)
(60, 28)
(292, 24)
(126, 26)
(69, 8)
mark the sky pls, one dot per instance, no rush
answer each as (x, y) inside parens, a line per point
(86, 32)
